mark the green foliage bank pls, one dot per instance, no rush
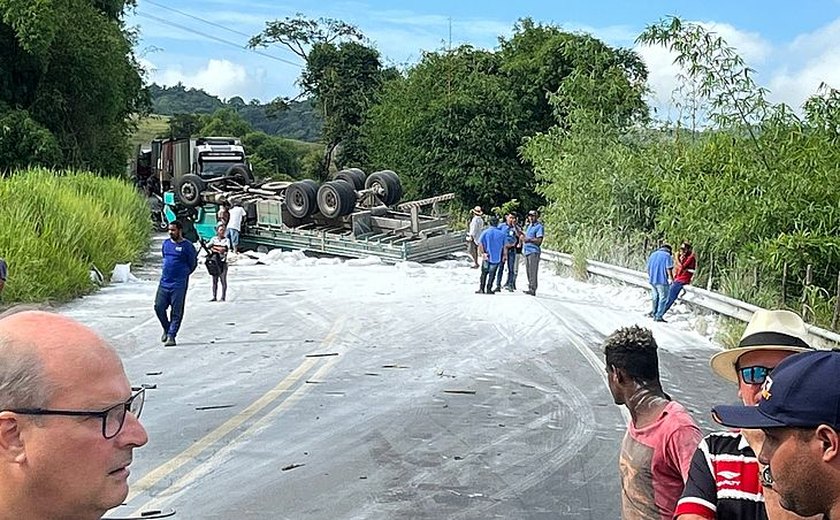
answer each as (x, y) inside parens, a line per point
(754, 186)
(59, 223)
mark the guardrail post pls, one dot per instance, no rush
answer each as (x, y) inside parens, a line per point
(711, 272)
(836, 317)
(808, 278)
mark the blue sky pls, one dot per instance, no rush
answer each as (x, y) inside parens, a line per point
(793, 45)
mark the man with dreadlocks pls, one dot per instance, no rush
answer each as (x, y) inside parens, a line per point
(661, 436)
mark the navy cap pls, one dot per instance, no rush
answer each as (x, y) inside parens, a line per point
(802, 391)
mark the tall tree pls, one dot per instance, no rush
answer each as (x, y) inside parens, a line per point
(342, 73)
(69, 65)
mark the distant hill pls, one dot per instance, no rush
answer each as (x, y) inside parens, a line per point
(300, 121)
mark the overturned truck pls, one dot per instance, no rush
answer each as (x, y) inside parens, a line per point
(353, 215)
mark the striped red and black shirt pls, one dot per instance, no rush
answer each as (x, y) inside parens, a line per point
(723, 480)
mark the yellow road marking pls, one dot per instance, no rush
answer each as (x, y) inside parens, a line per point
(220, 456)
(172, 465)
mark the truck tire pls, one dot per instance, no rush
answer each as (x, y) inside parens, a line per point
(302, 198)
(388, 184)
(354, 176)
(241, 174)
(188, 188)
(336, 199)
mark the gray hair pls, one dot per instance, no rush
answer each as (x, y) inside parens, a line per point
(23, 380)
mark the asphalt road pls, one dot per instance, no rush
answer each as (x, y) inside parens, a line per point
(352, 391)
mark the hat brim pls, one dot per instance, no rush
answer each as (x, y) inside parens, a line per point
(744, 417)
(723, 363)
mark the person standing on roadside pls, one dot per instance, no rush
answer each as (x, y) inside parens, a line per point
(223, 214)
(661, 435)
(683, 273)
(179, 261)
(513, 248)
(491, 244)
(660, 268)
(724, 480)
(532, 242)
(473, 233)
(236, 216)
(510, 238)
(219, 246)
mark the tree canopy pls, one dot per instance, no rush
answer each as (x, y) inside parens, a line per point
(68, 68)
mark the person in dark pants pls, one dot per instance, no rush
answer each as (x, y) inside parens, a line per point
(513, 249)
(490, 247)
(179, 261)
(532, 240)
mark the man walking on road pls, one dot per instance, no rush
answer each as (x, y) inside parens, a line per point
(491, 244)
(532, 240)
(799, 413)
(660, 268)
(661, 436)
(179, 261)
(236, 216)
(473, 234)
(69, 421)
(724, 479)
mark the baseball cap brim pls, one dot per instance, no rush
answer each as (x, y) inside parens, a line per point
(740, 416)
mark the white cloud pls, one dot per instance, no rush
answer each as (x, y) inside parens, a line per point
(810, 60)
(792, 71)
(221, 78)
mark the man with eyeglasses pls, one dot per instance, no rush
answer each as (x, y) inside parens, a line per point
(724, 479)
(68, 420)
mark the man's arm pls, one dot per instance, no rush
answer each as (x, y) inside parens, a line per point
(192, 256)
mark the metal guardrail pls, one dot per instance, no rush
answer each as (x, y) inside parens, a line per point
(718, 303)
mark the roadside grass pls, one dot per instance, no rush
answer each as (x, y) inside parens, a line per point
(59, 224)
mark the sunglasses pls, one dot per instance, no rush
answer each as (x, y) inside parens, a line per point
(753, 375)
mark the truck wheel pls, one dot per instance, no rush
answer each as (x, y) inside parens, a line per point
(336, 199)
(388, 185)
(354, 176)
(302, 198)
(241, 174)
(188, 188)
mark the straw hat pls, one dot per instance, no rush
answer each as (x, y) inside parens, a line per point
(477, 211)
(767, 330)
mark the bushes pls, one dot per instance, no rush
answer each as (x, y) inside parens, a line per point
(54, 225)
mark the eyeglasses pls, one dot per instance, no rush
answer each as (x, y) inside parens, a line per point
(753, 375)
(112, 419)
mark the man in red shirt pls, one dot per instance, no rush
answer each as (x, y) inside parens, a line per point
(684, 270)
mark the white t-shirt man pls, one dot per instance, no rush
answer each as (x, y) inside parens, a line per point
(237, 213)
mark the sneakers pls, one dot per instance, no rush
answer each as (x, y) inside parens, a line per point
(480, 291)
(660, 320)
(164, 337)
(530, 293)
(498, 288)
(170, 341)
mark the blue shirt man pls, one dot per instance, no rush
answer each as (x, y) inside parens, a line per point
(660, 267)
(491, 244)
(179, 261)
(534, 234)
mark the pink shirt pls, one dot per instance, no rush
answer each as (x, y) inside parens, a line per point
(654, 464)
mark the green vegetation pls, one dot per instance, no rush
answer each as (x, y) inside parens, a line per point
(293, 120)
(59, 224)
(343, 75)
(69, 81)
(755, 188)
(456, 120)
